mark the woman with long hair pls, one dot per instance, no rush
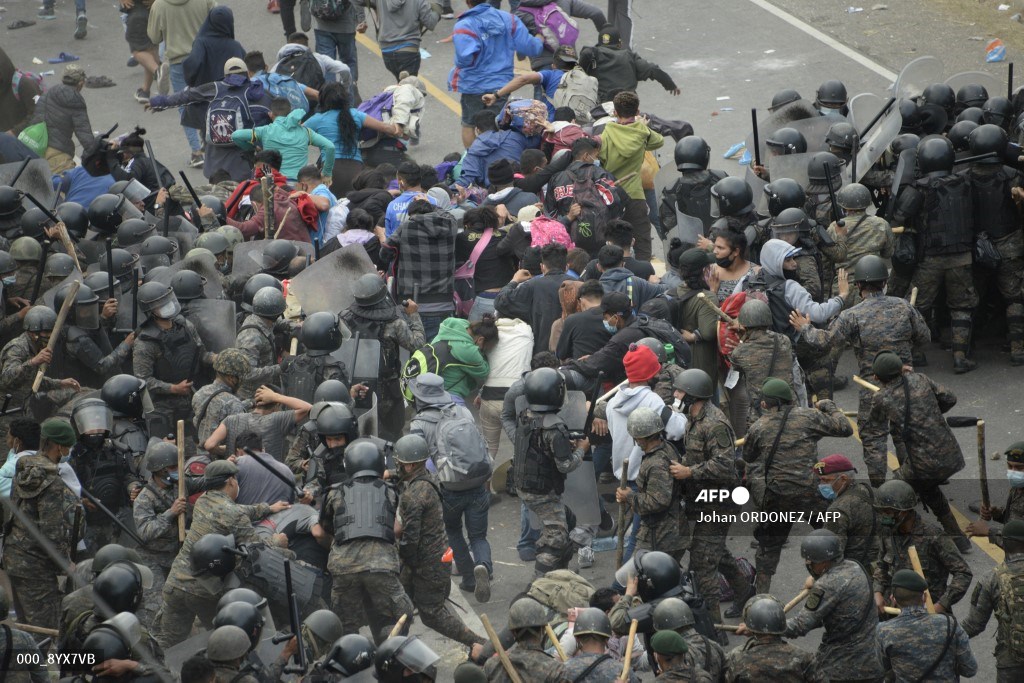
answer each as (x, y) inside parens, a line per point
(342, 124)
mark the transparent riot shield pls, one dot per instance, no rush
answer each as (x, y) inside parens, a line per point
(248, 259)
(36, 180)
(863, 108)
(792, 166)
(994, 86)
(783, 117)
(214, 320)
(878, 140)
(326, 285)
(917, 75)
(205, 265)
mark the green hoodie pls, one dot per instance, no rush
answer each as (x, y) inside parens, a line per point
(622, 152)
(470, 368)
(287, 135)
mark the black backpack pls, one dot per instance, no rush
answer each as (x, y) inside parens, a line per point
(303, 68)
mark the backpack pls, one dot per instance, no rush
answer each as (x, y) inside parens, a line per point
(227, 113)
(556, 28)
(1009, 610)
(328, 10)
(377, 106)
(578, 91)
(544, 231)
(661, 330)
(281, 86)
(602, 201)
(463, 461)
(303, 67)
(465, 284)
(433, 357)
(525, 116)
(561, 589)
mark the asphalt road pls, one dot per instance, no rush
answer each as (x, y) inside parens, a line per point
(727, 57)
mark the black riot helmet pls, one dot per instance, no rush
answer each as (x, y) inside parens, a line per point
(842, 136)
(10, 201)
(106, 643)
(783, 97)
(125, 264)
(335, 419)
(988, 138)
(158, 300)
(255, 284)
(75, 219)
(658, 576)
(692, 154)
(134, 231)
(545, 390)
(243, 615)
(213, 554)
(269, 303)
(320, 333)
(974, 114)
(59, 265)
(784, 193)
(821, 166)
(959, 134)
(126, 396)
(940, 94)
(277, 256)
(903, 142)
(731, 196)
(364, 459)
(86, 307)
(786, 141)
(217, 205)
(971, 95)
(99, 283)
(108, 211)
(998, 111)
(188, 285)
(791, 220)
(119, 588)
(831, 94)
(332, 390)
(935, 156)
(369, 290)
(158, 245)
(33, 222)
(350, 654)
(400, 653)
(246, 595)
(92, 421)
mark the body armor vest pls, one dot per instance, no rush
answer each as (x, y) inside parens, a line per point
(87, 377)
(533, 467)
(994, 209)
(369, 511)
(178, 351)
(945, 222)
(390, 364)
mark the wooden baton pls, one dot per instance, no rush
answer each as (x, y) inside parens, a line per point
(627, 659)
(500, 649)
(866, 384)
(399, 625)
(915, 562)
(69, 301)
(69, 246)
(797, 600)
(181, 477)
(718, 311)
(52, 632)
(913, 296)
(621, 546)
(554, 641)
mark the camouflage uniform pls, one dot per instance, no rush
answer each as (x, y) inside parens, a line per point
(864, 235)
(187, 596)
(159, 530)
(705, 654)
(365, 588)
(990, 596)
(771, 658)
(17, 375)
(854, 523)
(210, 405)
(531, 662)
(842, 603)
(607, 671)
(709, 453)
(762, 354)
(22, 644)
(685, 673)
(232, 674)
(49, 505)
(1014, 509)
(914, 647)
(877, 323)
(663, 382)
(780, 471)
(659, 502)
(256, 338)
(939, 559)
(426, 579)
(925, 446)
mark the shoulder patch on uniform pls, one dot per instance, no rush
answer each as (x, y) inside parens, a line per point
(723, 437)
(814, 599)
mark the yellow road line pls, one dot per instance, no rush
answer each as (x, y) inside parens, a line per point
(438, 94)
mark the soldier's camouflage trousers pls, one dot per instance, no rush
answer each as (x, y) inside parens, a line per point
(953, 271)
(37, 594)
(771, 536)
(1009, 277)
(429, 589)
(874, 440)
(152, 599)
(178, 612)
(708, 557)
(374, 598)
(553, 547)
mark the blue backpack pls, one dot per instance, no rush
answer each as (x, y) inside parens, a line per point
(286, 87)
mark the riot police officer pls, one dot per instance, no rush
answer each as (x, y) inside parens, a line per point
(349, 655)
(128, 398)
(320, 336)
(782, 142)
(88, 354)
(690, 194)
(732, 204)
(188, 286)
(11, 211)
(257, 338)
(830, 99)
(398, 656)
(335, 428)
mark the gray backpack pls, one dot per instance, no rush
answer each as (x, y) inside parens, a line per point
(462, 462)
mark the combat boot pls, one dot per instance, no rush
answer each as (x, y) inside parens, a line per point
(961, 338)
(739, 601)
(762, 583)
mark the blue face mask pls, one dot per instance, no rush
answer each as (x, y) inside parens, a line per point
(171, 478)
(1016, 479)
(826, 491)
(611, 328)
(8, 281)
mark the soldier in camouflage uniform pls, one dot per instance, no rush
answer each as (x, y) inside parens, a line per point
(1014, 508)
(226, 650)
(671, 654)
(851, 509)
(918, 646)
(592, 661)
(766, 655)
(187, 595)
(877, 323)
(668, 373)
(156, 510)
(781, 449)
(864, 235)
(911, 405)
(659, 497)
(20, 669)
(709, 463)
(26, 251)
(761, 353)
(940, 560)
(673, 614)
(1000, 592)
(840, 602)
(215, 401)
(359, 515)
(526, 620)
(256, 337)
(50, 510)
(422, 541)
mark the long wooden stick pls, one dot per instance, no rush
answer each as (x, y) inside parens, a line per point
(627, 659)
(895, 611)
(280, 227)
(502, 655)
(915, 562)
(268, 206)
(399, 625)
(69, 246)
(797, 600)
(913, 296)
(982, 465)
(726, 627)
(614, 390)
(293, 350)
(866, 384)
(898, 230)
(718, 311)
(554, 641)
(69, 301)
(621, 546)
(52, 632)
(181, 477)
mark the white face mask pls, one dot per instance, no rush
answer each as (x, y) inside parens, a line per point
(168, 310)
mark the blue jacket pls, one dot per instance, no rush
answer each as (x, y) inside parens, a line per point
(485, 41)
(488, 148)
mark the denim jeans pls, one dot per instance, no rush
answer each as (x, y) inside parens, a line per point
(79, 5)
(432, 323)
(471, 506)
(602, 458)
(630, 543)
(402, 60)
(340, 46)
(177, 85)
(527, 537)
(483, 304)
(513, 5)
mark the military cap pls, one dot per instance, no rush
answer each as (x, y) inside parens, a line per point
(668, 643)
(831, 464)
(909, 580)
(220, 468)
(776, 388)
(1015, 453)
(58, 431)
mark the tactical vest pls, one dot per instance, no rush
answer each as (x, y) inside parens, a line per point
(104, 472)
(772, 291)
(129, 436)
(390, 364)
(369, 511)
(945, 223)
(87, 377)
(1009, 610)
(693, 194)
(178, 351)
(302, 374)
(533, 468)
(994, 209)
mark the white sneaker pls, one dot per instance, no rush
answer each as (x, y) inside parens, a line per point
(585, 557)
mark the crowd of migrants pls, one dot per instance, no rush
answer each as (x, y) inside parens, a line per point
(211, 417)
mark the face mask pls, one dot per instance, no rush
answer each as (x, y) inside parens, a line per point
(826, 491)
(92, 441)
(724, 262)
(611, 328)
(8, 281)
(1016, 479)
(171, 478)
(790, 275)
(168, 310)
(887, 520)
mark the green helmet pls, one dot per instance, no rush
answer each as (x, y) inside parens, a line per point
(854, 197)
(644, 422)
(895, 494)
(233, 362)
(754, 314)
(592, 621)
(696, 383)
(527, 613)
(887, 365)
(821, 545)
(227, 643)
(870, 268)
(764, 614)
(26, 249)
(672, 614)
(39, 319)
(777, 389)
(214, 241)
(411, 448)
(325, 626)
(233, 235)
(268, 303)
(161, 455)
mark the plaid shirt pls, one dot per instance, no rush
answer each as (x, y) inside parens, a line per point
(426, 257)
